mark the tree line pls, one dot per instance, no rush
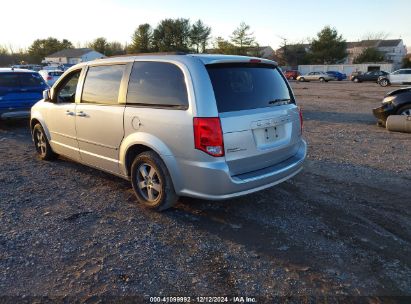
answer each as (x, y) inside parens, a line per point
(328, 47)
(180, 35)
(170, 35)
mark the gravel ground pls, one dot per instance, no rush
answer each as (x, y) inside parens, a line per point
(341, 228)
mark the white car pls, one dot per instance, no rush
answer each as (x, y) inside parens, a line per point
(50, 76)
(402, 76)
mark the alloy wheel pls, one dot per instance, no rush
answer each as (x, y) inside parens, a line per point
(406, 112)
(148, 182)
(40, 142)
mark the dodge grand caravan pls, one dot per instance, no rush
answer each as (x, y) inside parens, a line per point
(205, 126)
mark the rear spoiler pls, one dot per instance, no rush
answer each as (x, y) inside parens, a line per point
(245, 60)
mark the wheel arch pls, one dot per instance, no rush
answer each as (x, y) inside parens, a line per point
(35, 119)
(139, 142)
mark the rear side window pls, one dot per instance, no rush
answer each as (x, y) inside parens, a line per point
(157, 84)
(248, 86)
(9, 80)
(102, 84)
(31, 80)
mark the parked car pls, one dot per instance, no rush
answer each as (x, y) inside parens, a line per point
(31, 67)
(368, 76)
(50, 76)
(291, 74)
(20, 89)
(337, 75)
(402, 76)
(397, 102)
(206, 126)
(316, 76)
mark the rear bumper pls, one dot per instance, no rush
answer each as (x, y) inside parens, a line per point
(212, 181)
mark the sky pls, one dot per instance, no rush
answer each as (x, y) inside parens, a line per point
(81, 21)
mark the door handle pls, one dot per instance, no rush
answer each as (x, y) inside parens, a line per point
(69, 113)
(81, 114)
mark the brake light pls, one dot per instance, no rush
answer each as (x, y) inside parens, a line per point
(301, 119)
(255, 60)
(208, 135)
(49, 78)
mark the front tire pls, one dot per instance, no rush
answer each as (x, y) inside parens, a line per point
(152, 182)
(322, 79)
(41, 143)
(302, 79)
(405, 110)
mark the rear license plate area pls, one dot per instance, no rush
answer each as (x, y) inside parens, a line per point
(268, 137)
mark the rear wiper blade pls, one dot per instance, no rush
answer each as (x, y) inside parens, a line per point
(279, 100)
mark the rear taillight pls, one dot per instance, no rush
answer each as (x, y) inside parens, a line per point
(301, 119)
(208, 135)
(49, 78)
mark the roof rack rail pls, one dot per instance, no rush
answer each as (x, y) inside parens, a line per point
(148, 54)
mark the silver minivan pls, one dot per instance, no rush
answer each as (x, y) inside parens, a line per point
(205, 126)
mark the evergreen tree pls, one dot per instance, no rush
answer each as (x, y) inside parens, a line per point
(369, 55)
(242, 39)
(142, 39)
(199, 36)
(329, 47)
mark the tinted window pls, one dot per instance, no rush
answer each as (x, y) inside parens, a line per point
(247, 86)
(31, 80)
(157, 83)
(407, 71)
(9, 80)
(67, 91)
(102, 84)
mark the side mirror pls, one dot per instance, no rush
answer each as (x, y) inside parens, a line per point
(47, 95)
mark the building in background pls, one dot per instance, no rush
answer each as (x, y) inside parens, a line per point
(394, 50)
(72, 56)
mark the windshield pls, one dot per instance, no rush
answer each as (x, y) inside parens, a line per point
(247, 86)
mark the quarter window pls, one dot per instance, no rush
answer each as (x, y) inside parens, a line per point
(66, 93)
(102, 84)
(157, 84)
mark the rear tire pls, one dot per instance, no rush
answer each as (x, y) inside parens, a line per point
(41, 143)
(356, 80)
(301, 79)
(152, 182)
(322, 79)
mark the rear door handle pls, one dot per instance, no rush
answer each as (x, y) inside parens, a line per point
(81, 114)
(69, 113)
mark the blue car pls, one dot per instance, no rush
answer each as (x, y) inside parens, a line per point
(19, 90)
(339, 76)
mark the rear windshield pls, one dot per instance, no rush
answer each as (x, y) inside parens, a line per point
(31, 80)
(248, 86)
(15, 79)
(9, 80)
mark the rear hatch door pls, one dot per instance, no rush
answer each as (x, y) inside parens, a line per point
(259, 118)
